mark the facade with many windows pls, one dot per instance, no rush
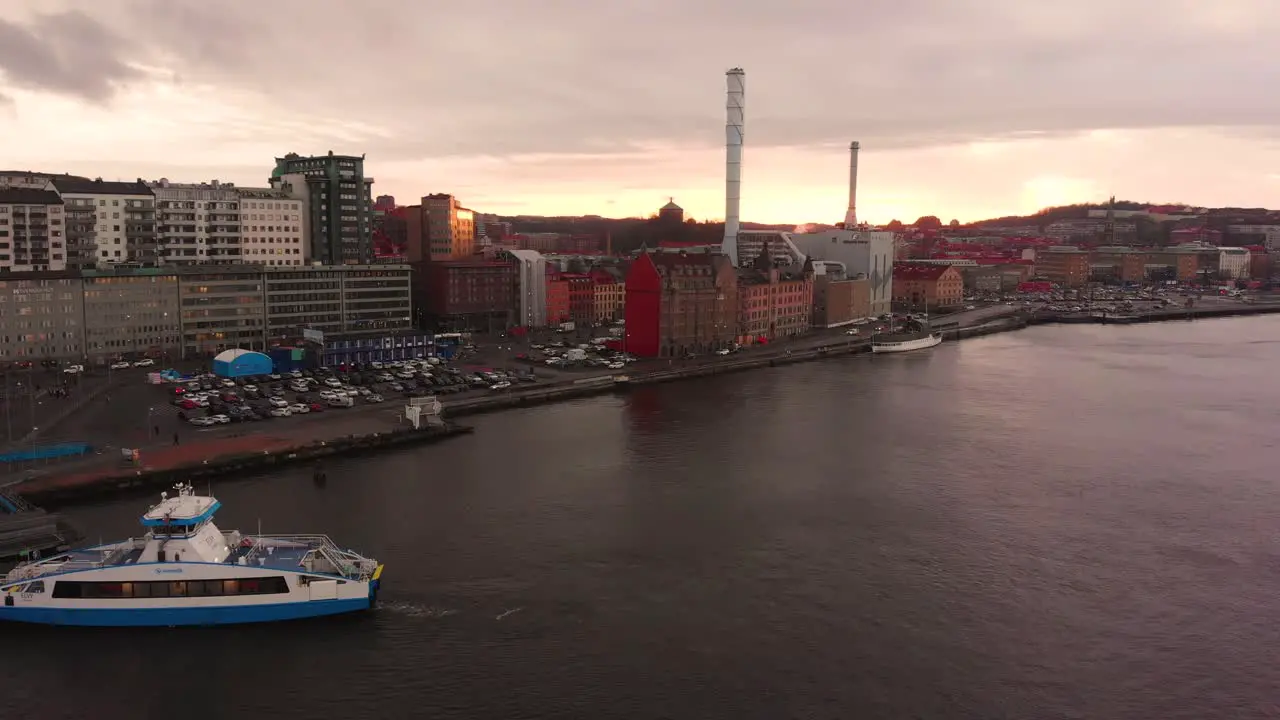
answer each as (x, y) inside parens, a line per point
(130, 315)
(338, 201)
(190, 312)
(32, 233)
(123, 221)
(41, 316)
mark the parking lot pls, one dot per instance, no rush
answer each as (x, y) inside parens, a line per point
(210, 401)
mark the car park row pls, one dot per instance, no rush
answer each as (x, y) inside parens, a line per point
(211, 400)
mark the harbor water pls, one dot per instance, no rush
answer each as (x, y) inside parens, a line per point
(1063, 522)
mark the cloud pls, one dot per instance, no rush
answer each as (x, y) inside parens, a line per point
(512, 97)
(67, 53)
(576, 76)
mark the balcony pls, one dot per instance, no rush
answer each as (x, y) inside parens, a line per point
(140, 232)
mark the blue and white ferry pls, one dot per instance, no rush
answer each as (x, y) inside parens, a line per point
(185, 571)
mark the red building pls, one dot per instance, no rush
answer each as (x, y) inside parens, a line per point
(558, 300)
(677, 304)
(466, 294)
(582, 297)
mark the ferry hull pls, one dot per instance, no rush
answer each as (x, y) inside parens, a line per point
(184, 616)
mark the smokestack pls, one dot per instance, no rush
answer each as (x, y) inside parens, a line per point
(851, 215)
(735, 119)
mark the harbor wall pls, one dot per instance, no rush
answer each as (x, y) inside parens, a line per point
(53, 492)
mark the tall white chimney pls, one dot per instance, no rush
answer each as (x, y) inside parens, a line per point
(735, 119)
(851, 215)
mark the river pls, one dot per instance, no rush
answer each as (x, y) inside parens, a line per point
(1068, 521)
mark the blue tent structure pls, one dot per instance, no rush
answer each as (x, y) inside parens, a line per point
(241, 363)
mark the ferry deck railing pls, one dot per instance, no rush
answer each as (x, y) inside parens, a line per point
(349, 564)
(38, 568)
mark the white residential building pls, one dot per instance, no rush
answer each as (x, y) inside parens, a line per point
(32, 230)
(531, 268)
(123, 226)
(274, 223)
(197, 223)
(1234, 263)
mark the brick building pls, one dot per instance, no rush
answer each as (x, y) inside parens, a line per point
(925, 285)
(773, 302)
(1063, 264)
(838, 300)
(677, 304)
(557, 297)
(459, 295)
(610, 296)
(582, 297)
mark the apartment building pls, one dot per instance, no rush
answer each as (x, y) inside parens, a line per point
(773, 302)
(449, 228)
(273, 225)
(123, 221)
(610, 297)
(339, 204)
(197, 223)
(32, 230)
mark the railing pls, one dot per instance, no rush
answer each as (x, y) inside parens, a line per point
(347, 563)
(40, 568)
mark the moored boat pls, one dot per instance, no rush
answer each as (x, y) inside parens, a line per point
(905, 343)
(185, 571)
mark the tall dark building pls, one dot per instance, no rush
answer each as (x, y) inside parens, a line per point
(340, 203)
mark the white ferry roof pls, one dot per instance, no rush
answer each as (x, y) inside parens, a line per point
(185, 509)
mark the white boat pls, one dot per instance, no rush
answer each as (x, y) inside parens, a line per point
(895, 345)
(185, 571)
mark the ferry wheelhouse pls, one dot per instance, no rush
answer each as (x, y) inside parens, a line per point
(185, 571)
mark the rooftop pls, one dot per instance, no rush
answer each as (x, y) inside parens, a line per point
(918, 271)
(28, 196)
(80, 186)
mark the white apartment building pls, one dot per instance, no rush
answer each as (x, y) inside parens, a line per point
(274, 224)
(197, 222)
(122, 228)
(1234, 263)
(32, 230)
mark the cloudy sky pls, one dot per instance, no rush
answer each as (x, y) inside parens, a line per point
(965, 108)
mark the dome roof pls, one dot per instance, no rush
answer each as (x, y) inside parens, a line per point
(672, 205)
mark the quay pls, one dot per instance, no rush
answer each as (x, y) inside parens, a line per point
(1166, 315)
(238, 456)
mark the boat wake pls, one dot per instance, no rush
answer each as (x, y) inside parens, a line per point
(412, 609)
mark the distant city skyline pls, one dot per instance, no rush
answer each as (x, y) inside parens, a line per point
(964, 114)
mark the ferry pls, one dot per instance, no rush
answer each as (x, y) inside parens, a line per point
(185, 571)
(896, 344)
(918, 336)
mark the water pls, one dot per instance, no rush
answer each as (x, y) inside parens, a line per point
(1066, 522)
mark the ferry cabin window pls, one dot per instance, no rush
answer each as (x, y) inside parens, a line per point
(169, 589)
(35, 587)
